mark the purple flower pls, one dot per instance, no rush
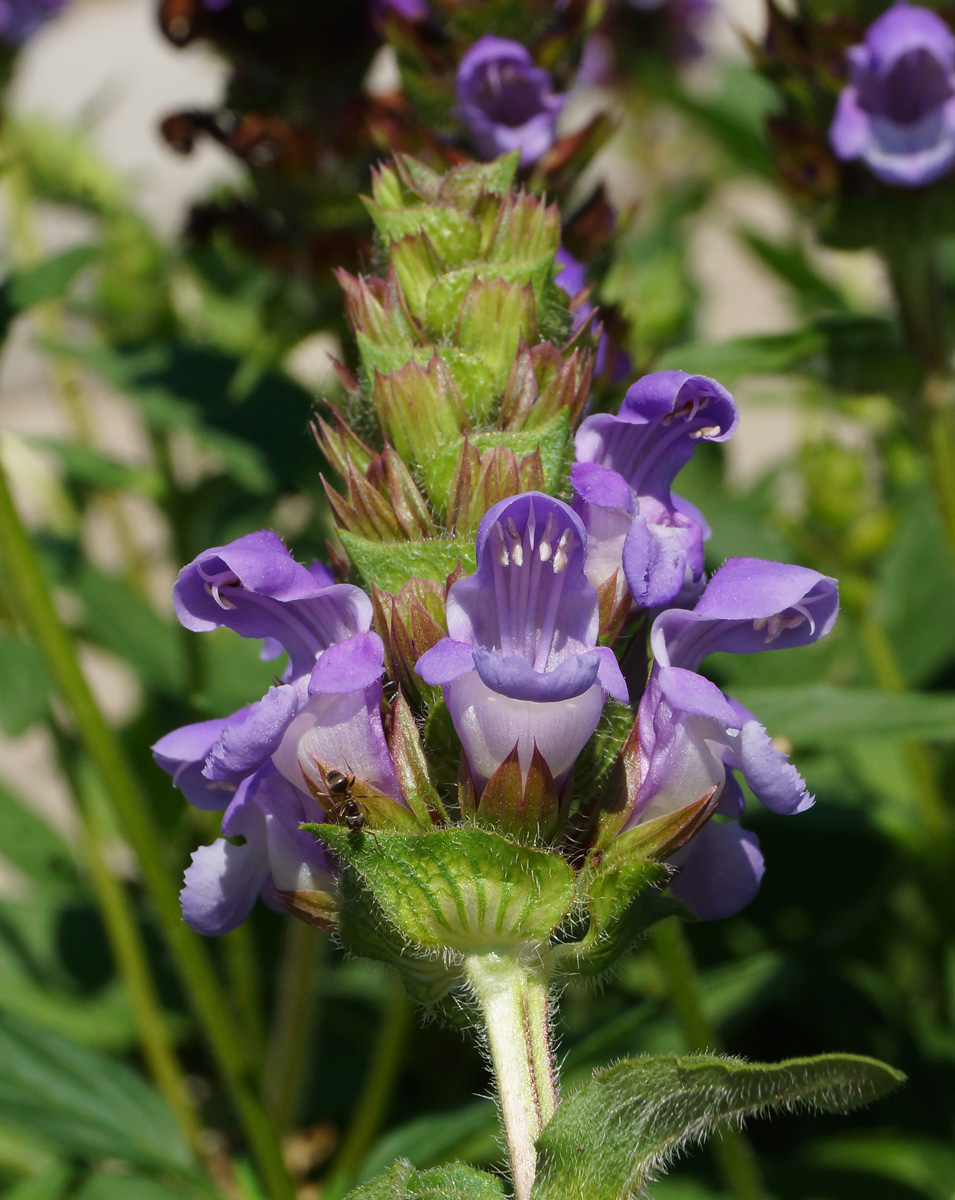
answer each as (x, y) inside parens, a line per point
(269, 856)
(898, 112)
(506, 101)
(268, 761)
(623, 475)
(255, 587)
(691, 733)
(521, 666)
(572, 279)
(20, 19)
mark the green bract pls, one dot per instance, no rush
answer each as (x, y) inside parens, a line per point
(424, 901)
(469, 380)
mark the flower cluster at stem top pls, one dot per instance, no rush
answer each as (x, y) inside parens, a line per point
(521, 671)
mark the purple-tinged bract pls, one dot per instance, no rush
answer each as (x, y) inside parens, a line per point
(623, 475)
(898, 111)
(521, 666)
(506, 101)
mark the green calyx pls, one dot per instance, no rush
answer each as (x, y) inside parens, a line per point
(470, 379)
(427, 900)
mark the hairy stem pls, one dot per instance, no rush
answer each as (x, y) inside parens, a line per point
(515, 1003)
(737, 1163)
(38, 614)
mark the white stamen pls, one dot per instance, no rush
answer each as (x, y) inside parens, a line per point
(706, 431)
(545, 550)
(500, 546)
(517, 547)
(223, 603)
(564, 546)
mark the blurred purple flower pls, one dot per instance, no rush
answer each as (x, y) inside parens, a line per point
(20, 19)
(411, 10)
(506, 101)
(521, 666)
(623, 475)
(691, 734)
(898, 111)
(572, 279)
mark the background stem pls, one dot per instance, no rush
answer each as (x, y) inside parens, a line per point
(737, 1163)
(127, 946)
(38, 614)
(293, 1024)
(386, 1059)
(920, 299)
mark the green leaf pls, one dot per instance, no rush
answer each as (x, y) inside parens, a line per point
(459, 888)
(920, 1163)
(48, 280)
(82, 1102)
(51, 1185)
(635, 1116)
(85, 465)
(120, 620)
(32, 845)
(23, 697)
(131, 1187)
(766, 354)
(389, 565)
(456, 1182)
(918, 580)
(432, 1137)
(828, 716)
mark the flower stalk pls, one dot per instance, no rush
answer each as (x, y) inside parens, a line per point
(514, 1000)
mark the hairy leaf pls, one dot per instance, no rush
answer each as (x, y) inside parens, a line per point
(633, 1118)
(456, 1182)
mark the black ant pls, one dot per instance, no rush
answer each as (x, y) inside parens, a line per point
(345, 809)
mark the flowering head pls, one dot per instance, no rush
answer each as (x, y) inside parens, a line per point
(898, 111)
(521, 667)
(506, 101)
(623, 475)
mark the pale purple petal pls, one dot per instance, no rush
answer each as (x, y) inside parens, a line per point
(445, 661)
(722, 871)
(749, 605)
(183, 752)
(221, 886)
(349, 666)
(771, 776)
(898, 112)
(342, 730)
(514, 676)
(244, 746)
(490, 725)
